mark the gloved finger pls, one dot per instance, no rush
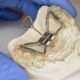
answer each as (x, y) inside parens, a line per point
(66, 5)
(29, 8)
(8, 14)
(26, 6)
(9, 70)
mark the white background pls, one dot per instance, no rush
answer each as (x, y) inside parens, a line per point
(10, 30)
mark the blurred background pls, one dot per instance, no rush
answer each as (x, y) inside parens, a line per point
(76, 3)
(10, 30)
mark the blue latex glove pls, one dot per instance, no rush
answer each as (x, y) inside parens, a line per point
(9, 70)
(31, 7)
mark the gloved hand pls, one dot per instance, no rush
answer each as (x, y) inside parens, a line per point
(30, 7)
(9, 70)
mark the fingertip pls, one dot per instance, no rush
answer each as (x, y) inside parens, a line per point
(74, 13)
(70, 8)
(65, 4)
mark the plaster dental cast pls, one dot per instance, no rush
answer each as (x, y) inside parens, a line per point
(9, 70)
